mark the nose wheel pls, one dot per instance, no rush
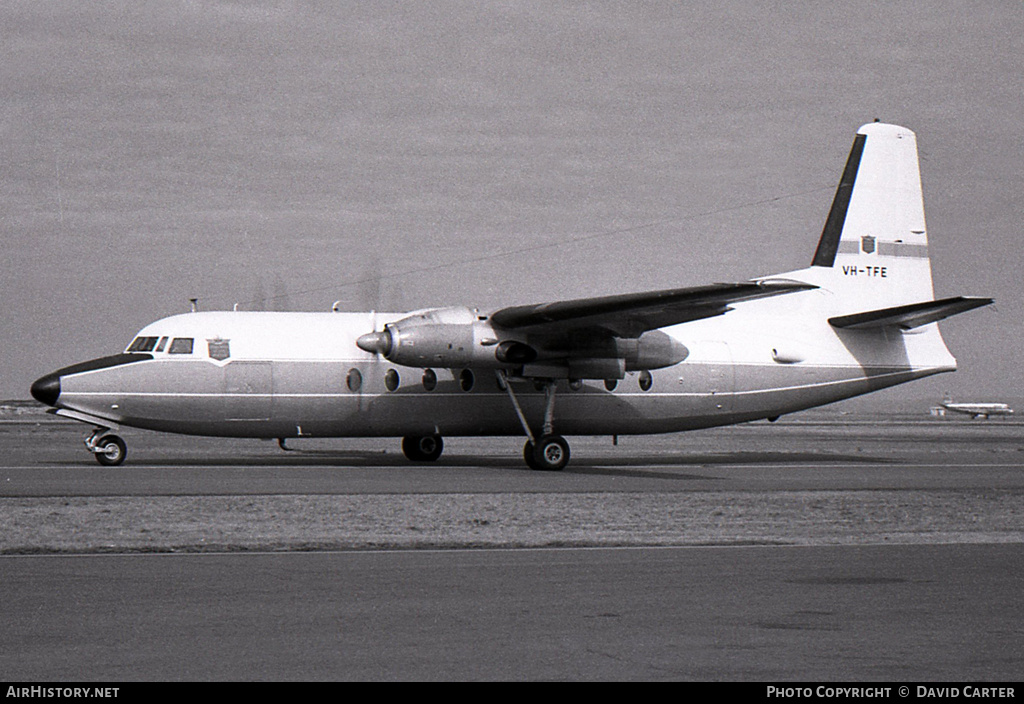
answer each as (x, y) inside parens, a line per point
(110, 450)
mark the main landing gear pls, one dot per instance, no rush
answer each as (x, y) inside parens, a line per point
(550, 452)
(109, 450)
(422, 448)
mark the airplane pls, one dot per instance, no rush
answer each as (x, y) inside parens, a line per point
(860, 318)
(977, 410)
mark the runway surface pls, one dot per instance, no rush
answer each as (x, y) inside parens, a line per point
(880, 613)
(45, 457)
(821, 548)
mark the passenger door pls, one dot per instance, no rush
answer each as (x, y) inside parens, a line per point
(248, 390)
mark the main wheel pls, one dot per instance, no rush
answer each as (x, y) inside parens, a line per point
(528, 455)
(422, 448)
(112, 451)
(550, 453)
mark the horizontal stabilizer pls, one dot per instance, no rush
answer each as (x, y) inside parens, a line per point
(910, 316)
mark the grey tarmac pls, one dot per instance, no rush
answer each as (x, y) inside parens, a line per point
(827, 547)
(883, 613)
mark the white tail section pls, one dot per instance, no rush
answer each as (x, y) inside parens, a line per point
(875, 241)
(872, 267)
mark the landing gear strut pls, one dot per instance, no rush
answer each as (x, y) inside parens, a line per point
(550, 452)
(422, 448)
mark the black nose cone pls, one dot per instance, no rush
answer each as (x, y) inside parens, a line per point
(46, 389)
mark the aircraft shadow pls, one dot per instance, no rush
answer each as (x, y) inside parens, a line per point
(620, 465)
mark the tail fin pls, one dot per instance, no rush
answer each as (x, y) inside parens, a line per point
(871, 269)
(875, 238)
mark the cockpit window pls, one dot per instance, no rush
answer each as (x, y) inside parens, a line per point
(181, 345)
(143, 344)
(160, 345)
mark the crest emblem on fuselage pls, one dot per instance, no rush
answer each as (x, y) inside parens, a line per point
(219, 349)
(867, 244)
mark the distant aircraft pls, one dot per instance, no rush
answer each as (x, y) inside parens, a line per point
(860, 318)
(977, 410)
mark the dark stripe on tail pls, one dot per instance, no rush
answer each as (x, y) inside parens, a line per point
(828, 245)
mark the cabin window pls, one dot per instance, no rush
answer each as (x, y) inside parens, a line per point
(143, 344)
(391, 379)
(160, 345)
(181, 345)
(466, 380)
(354, 380)
(646, 380)
(429, 379)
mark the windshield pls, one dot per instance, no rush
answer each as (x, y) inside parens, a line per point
(143, 344)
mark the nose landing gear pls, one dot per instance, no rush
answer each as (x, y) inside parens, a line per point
(109, 450)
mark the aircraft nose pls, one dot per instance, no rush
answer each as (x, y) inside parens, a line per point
(46, 389)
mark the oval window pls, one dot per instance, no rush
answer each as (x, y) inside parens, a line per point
(391, 379)
(429, 379)
(354, 380)
(466, 380)
(646, 381)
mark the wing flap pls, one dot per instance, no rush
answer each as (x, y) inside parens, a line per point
(631, 314)
(909, 316)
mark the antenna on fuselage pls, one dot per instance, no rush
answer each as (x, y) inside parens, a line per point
(195, 304)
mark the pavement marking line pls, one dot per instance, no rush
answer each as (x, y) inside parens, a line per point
(496, 549)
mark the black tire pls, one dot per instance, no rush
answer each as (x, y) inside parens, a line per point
(551, 453)
(422, 448)
(528, 456)
(112, 451)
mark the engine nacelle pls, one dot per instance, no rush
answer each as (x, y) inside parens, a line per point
(652, 350)
(459, 337)
(445, 337)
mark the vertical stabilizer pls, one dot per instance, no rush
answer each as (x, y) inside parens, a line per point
(875, 239)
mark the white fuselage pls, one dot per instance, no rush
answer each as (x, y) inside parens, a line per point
(980, 410)
(280, 375)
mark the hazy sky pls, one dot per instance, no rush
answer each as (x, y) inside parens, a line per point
(396, 155)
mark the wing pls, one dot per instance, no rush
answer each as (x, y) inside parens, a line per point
(632, 314)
